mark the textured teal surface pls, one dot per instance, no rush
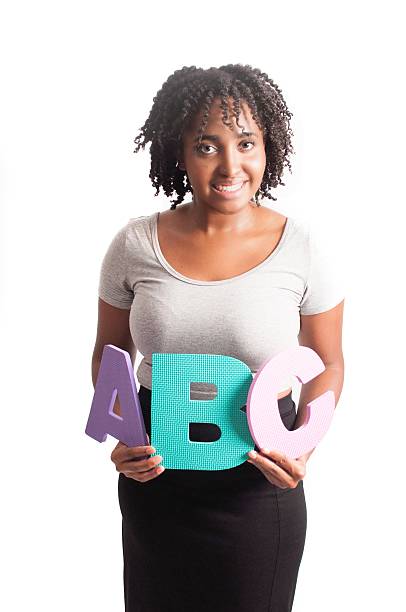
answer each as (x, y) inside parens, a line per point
(172, 410)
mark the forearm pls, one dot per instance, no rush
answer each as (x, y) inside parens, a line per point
(332, 378)
(95, 370)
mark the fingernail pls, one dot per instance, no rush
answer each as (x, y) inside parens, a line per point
(265, 450)
(252, 454)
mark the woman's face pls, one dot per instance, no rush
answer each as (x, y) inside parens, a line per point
(227, 168)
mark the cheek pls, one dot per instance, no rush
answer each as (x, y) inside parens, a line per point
(198, 173)
(258, 164)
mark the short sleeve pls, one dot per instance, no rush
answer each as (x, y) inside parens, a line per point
(113, 282)
(325, 285)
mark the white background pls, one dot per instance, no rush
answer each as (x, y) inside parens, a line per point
(77, 82)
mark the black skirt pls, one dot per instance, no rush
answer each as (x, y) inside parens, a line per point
(218, 541)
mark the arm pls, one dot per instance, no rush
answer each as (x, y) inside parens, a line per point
(112, 328)
(323, 333)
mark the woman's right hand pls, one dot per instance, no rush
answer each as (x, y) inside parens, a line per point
(133, 462)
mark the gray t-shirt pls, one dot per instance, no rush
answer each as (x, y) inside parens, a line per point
(251, 317)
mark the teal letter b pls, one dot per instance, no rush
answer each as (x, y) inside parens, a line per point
(172, 410)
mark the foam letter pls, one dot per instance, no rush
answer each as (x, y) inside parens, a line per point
(116, 376)
(172, 410)
(265, 423)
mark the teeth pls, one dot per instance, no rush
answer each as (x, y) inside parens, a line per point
(228, 187)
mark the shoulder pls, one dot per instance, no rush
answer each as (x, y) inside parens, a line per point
(140, 221)
(313, 235)
(293, 230)
(278, 223)
(131, 238)
(121, 233)
(139, 229)
(174, 220)
(270, 219)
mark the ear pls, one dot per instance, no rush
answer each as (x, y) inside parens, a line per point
(181, 165)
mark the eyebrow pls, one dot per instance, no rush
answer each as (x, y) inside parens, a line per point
(216, 138)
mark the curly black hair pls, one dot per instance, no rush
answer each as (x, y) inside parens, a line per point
(191, 89)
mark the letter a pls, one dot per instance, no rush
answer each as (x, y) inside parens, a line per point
(116, 376)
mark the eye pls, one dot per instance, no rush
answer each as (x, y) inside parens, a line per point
(249, 142)
(200, 147)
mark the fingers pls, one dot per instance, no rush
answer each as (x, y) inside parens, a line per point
(134, 462)
(269, 473)
(278, 468)
(122, 452)
(140, 466)
(143, 471)
(293, 467)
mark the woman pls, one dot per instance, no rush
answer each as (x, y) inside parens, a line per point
(220, 274)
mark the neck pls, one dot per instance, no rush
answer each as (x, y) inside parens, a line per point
(210, 220)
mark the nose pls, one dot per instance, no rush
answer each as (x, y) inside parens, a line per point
(229, 162)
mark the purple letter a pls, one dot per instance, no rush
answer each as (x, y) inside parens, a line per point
(116, 376)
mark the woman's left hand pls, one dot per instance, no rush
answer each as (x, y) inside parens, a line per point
(279, 469)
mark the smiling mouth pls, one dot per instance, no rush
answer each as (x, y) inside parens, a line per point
(229, 188)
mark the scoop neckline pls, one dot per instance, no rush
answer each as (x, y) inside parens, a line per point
(223, 281)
